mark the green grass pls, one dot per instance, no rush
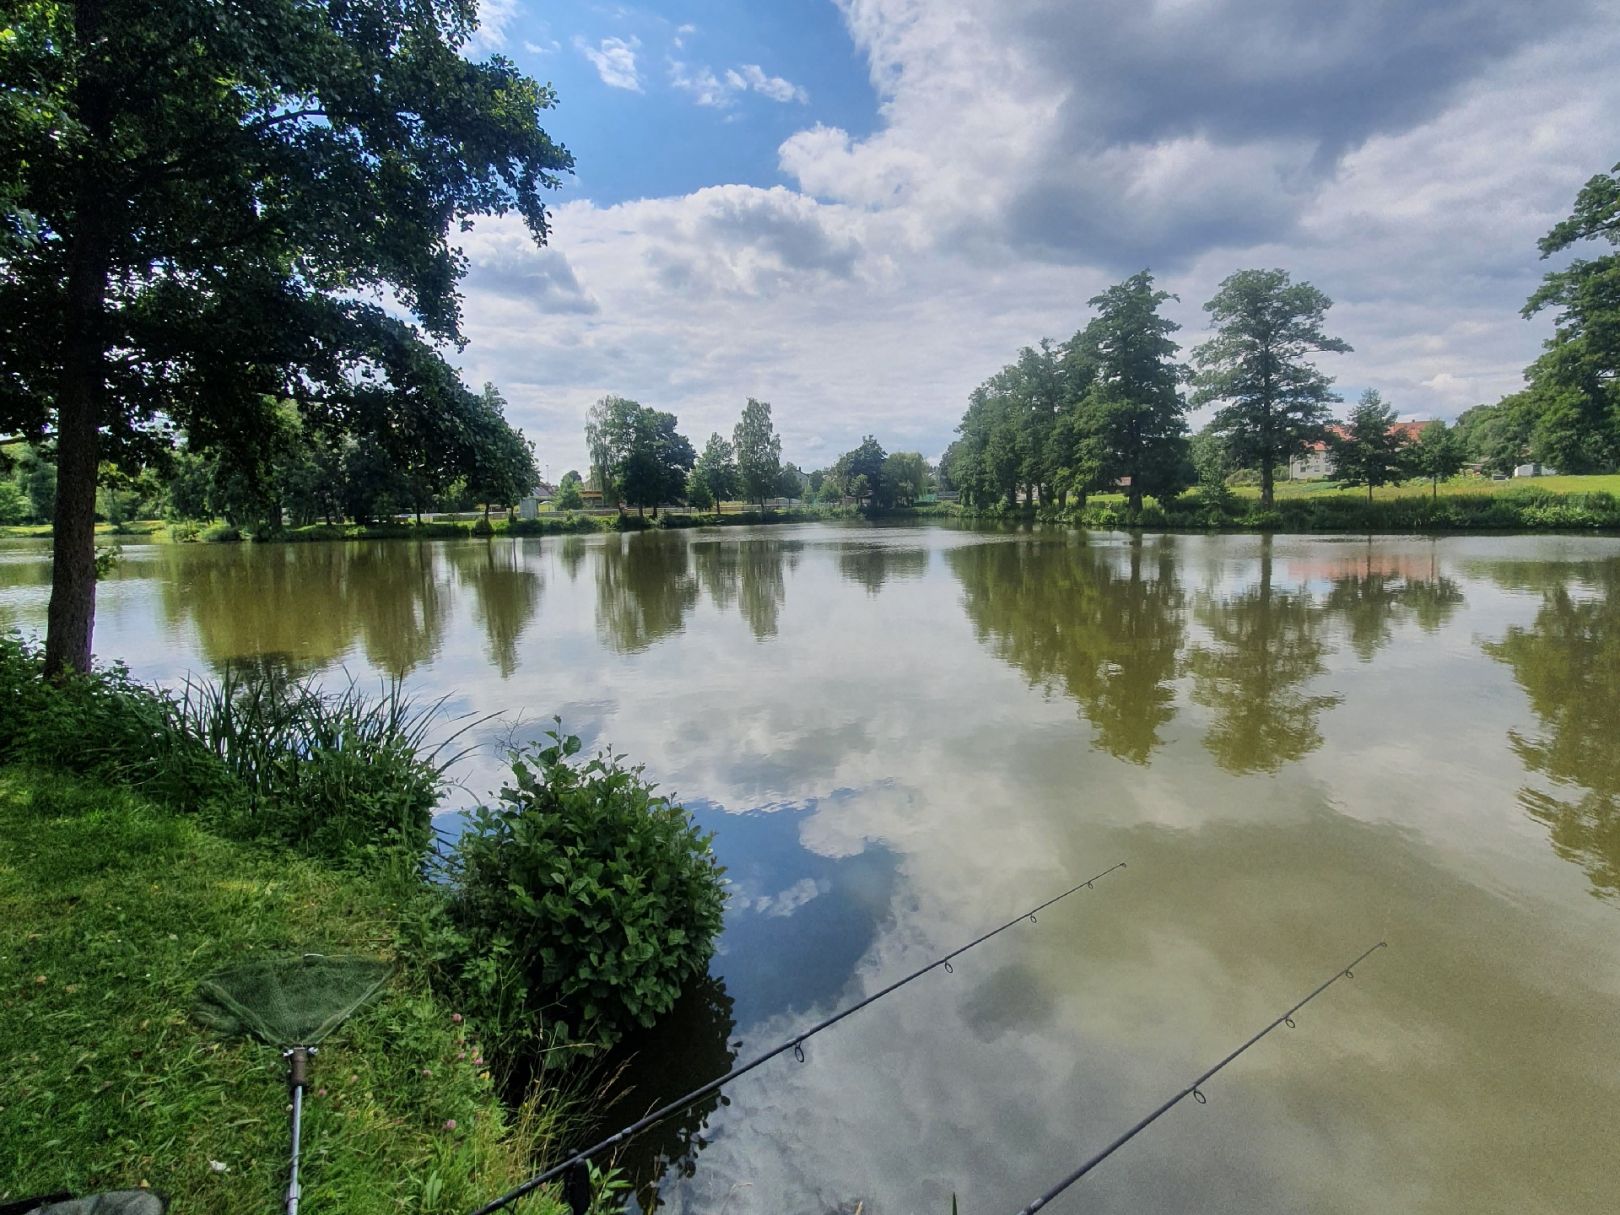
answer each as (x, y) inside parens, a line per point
(1605, 483)
(114, 909)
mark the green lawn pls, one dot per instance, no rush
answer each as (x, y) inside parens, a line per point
(1607, 483)
(114, 909)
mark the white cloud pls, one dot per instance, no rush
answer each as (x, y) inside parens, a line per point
(614, 60)
(549, 47)
(708, 89)
(494, 16)
(911, 262)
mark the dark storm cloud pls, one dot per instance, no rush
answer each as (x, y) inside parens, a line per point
(1305, 80)
(795, 236)
(541, 276)
(1333, 73)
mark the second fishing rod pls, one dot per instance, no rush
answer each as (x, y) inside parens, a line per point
(574, 1165)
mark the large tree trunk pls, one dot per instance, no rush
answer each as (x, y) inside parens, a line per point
(1266, 483)
(81, 391)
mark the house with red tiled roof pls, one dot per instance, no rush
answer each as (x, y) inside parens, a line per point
(1316, 464)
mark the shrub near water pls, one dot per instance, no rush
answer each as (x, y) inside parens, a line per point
(341, 775)
(582, 897)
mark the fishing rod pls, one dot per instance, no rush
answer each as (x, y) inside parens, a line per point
(574, 1165)
(1192, 1090)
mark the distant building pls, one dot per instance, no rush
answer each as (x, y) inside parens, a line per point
(1534, 470)
(1316, 464)
(529, 505)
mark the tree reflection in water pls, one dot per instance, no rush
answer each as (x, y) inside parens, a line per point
(1265, 645)
(871, 565)
(750, 573)
(506, 591)
(1568, 663)
(688, 1047)
(644, 589)
(1073, 622)
(1377, 590)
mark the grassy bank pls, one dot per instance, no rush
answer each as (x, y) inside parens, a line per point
(1525, 507)
(115, 907)
(547, 524)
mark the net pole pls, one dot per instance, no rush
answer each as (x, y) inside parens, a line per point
(298, 1059)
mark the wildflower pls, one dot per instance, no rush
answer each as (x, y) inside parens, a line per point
(219, 1166)
(460, 1055)
(455, 1018)
(320, 1092)
(449, 1124)
(427, 1071)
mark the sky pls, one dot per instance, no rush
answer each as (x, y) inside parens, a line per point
(858, 210)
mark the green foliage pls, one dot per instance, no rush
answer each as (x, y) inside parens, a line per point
(860, 473)
(1371, 451)
(758, 451)
(13, 504)
(1574, 387)
(906, 476)
(221, 245)
(1438, 454)
(582, 896)
(714, 477)
(104, 725)
(637, 456)
(342, 775)
(1213, 465)
(1497, 437)
(1274, 400)
(1132, 415)
(569, 496)
(403, 1115)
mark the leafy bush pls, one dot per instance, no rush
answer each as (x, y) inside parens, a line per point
(219, 533)
(583, 896)
(105, 725)
(336, 773)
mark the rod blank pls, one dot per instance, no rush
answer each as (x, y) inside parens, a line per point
(1191, 1090)
(795, 1044)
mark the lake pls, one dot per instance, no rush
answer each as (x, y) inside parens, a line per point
(904, 736)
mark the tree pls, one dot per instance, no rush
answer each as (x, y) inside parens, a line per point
(790, 484)
(1574, 387)
(698, 493)
(759, 452)
(498, 461)
(195, 198)
(714, 477)
(569, 496)
(1133, 410)
(1437, 455)
(1275, 401)
(860, 472)
(1371, 451)
(571, 477)
(1497, 436)
(655, 468)
(610, 429)
(1213, 465)
(907, 476)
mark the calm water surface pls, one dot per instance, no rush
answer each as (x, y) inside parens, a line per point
(903, 736)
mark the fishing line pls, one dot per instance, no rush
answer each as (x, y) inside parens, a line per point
(575, 1164)
(1192, 1090)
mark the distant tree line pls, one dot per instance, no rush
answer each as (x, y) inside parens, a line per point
(461, 454)
(1106, 410)
(638, 459)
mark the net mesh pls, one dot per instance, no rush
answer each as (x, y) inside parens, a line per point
(118, 1202)
(289, 1001)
